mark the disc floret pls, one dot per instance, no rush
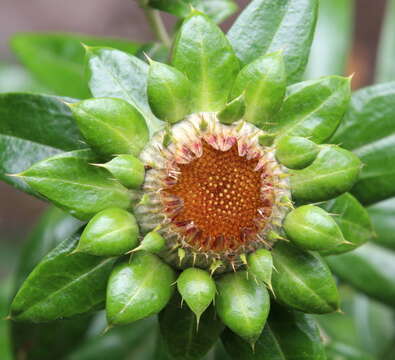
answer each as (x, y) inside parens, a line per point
(214, 190)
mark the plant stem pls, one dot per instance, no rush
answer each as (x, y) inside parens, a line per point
(157, 26)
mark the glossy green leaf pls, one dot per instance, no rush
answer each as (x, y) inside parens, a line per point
(288, 335)
(260, 264)
(370, 269)
(332, 173)
(72, 183)
(364, 325)
(353, 220)
(296, 152)
(111, 232)
(204, 55)
(46, 341)
(312, 228)
(114, 73)
(111, 126)
(169, 92)
(218, 10)
(313, 108)
(385, 69)
(197, 289)
(333, 35)
(127, 169)
(118, 344)
(263, 83)
(266, 26)
(138, 289)
(57, 60)
(53, 227)
(50, 129)
(243, 304)
(383, 215)
(303, 280)
(62, 285)
(181, 337)
(233, 111)
(368, 130)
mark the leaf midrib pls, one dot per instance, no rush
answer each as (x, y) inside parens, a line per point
(80, 278)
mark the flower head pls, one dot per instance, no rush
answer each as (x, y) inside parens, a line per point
(213, 179)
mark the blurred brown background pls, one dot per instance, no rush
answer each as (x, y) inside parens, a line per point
(123, 18)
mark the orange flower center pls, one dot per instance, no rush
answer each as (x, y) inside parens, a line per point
(223, 199)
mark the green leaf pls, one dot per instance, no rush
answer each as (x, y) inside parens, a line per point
(243, 304)
(204, 55)
(313, 108)
(53, 227)
(114, 73)
(57, 60)
(385, 69)
(382, 215)
(127, 169)
(138, 289)
(182, 339)
(303, 280)
(353, 220)
(62, 285)
(169, 92)
(296, 152)
(111, 232)
(312, 228)
(332, 173)
(288, 335)
(217, 10)
(370, 269)
(364, 325)
(46, 341)
(263, 83)
(333, 35)
(70, 182)
(197, 289)
(266, 26)
(155, 51)
(120, 343)
(368, 130)
(50, 129)
(111, 126)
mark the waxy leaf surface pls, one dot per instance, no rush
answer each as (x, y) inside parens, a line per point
(266, 26)
(33, 128)
(62, 285)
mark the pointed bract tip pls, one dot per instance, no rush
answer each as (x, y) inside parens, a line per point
(107, 329)
(75, 251)
(99, 165)
(14, 175)
(87, 48)
(150, 61)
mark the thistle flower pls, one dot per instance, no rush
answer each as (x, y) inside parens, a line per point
(213, 190)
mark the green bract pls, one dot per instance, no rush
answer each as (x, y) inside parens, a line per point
(138, 289)
(111, 232)
(127, 169)
(312, 228)
(211, 174)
